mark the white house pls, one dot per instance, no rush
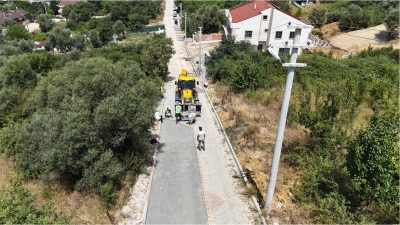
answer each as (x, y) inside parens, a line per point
(64, 3)
(263, 24)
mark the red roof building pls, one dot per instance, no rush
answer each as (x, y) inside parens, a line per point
(264, 24)
(18, 15)
(249, 10)
(64, 3)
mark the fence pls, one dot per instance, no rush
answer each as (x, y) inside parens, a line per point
(150, 28)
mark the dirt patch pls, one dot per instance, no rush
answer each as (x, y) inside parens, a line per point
(7, 173)
(355, 41)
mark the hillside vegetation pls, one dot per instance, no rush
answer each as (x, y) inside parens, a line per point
(80, 120)
(340, 152)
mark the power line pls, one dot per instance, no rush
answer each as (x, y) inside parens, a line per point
(359, 72)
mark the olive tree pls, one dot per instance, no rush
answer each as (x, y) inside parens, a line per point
(61, 37)
(392, 23)
(317, 17)
(119, 27)
(89, 123)
(45, 22)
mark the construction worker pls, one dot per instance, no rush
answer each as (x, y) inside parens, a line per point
(178, 110)
(158, 117)
(168, 112)
(162, 90)
(192, 117)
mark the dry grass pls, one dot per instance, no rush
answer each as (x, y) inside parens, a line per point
(253, 125)
(307, 9)
(7, 172)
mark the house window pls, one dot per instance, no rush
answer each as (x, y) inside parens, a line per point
(278, 34)
(248, 34)
(266, 31)
(284, 51)
(265, 17)
(291, 35)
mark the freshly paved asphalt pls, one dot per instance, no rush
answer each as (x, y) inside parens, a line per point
(191, 186)
(176, 194)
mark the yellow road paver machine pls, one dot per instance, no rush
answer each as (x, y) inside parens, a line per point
(186, 94)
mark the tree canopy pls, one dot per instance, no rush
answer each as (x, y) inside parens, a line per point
(17, 32)
(92, 118)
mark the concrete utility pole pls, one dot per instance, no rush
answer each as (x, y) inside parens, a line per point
(45, 9)
(200, 50)
(185, 27)
(282, 120)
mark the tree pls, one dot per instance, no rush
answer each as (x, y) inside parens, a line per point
(92, 119)
(61, 38)
(42, 62)
(79, 42)
(71, 56)
(105, 32)
(156, 56)
(317, 17)
(373, 162)
(54, 6)
(136, 21)
(45, 22)
(94, 38)
(84, 10)
(354, 18)
(17, 32)
(9, 22)
(19, 206)
(73, 16)
(208, 17)
(119, 27)
(26, 46)
(392, 23)
(17, 72)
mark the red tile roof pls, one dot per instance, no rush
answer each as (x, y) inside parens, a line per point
(253, 8)
(248, 10)
(63, 3)
(43, 43)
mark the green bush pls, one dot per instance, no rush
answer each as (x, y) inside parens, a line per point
(18, 206)
(107, 194)
(40, 37)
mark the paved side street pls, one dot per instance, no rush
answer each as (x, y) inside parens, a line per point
(189, 186)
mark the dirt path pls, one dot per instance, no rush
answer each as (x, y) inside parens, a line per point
(358, 40)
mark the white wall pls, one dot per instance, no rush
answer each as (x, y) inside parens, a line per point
(257, 25)
(252, 24)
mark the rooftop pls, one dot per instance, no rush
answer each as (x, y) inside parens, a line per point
(249, 10)
(63, 3)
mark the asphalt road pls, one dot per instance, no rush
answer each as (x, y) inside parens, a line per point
(176, 194)
(191, 186)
